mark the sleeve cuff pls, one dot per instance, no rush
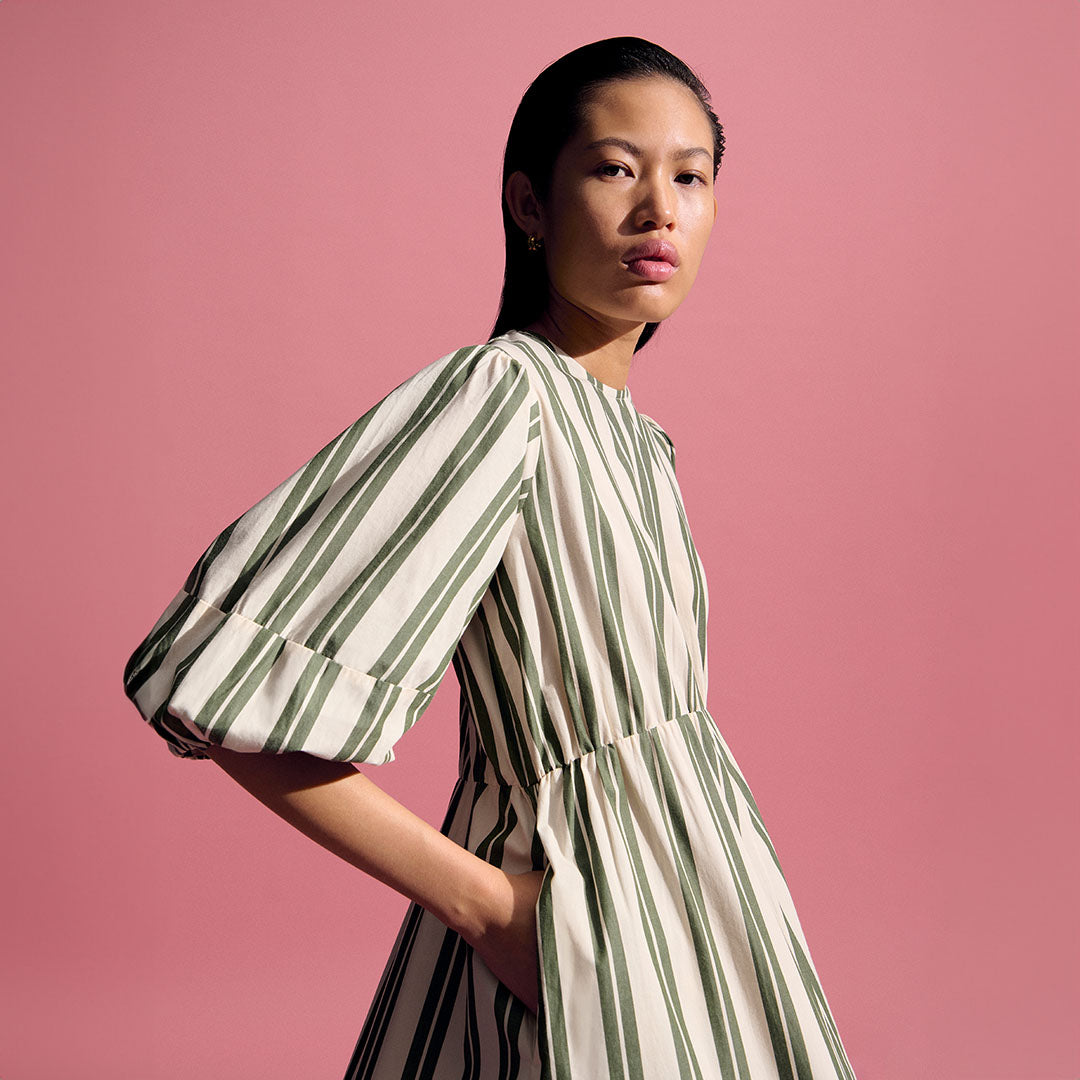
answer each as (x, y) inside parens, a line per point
(249, 689)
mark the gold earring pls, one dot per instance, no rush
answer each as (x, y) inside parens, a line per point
(535, 242)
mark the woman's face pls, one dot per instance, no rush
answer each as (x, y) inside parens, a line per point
(638, 172)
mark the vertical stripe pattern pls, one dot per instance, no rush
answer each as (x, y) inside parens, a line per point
(506, 512)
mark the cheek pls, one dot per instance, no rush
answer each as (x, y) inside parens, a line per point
(587, 218)
(699, 224)
(581, 246)
(585, 228)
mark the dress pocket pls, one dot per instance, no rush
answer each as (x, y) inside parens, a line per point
(547, 971)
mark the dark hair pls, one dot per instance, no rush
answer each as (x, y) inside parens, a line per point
(550, 113)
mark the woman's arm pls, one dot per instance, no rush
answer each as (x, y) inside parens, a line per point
(339, 807)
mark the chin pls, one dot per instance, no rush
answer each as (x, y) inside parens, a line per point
(650, 308)
(622, 308)
(646, 313)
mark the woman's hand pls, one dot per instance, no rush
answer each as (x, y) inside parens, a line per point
(507, 944)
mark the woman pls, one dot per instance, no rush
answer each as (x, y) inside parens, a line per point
(603, 899)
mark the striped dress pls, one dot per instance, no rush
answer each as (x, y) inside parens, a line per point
(505, 511)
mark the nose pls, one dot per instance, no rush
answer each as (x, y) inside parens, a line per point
(657, 207)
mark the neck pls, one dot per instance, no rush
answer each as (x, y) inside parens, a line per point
(606, 350)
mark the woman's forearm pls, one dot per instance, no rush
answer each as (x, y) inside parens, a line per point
(340, 808)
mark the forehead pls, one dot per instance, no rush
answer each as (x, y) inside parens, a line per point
(663, 108)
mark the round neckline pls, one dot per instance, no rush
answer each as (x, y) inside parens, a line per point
(574, 367)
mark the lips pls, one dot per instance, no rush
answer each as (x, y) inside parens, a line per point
(654, 260)
(653, 251)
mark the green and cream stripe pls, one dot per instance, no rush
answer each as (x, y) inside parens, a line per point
(505, 511)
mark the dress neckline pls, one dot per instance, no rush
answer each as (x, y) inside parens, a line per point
(573, 367)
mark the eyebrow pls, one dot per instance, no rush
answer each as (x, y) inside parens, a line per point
(630, 148)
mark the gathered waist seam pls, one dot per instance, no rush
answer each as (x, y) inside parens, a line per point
(496, 781)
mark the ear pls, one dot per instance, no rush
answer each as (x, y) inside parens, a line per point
(715, 209)
(523, 204)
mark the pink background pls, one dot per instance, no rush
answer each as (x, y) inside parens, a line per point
(230, 228)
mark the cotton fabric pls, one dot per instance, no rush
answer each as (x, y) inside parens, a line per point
(506, 512)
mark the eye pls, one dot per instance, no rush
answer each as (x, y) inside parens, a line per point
(611, 168)
(689, 179)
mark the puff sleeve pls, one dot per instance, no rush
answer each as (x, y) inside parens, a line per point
(324, 618)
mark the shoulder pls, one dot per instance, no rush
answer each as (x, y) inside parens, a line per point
(507, 360)
(661, 435)
(498, 355)
(484, 370)
(519, 349)
(486, 380)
